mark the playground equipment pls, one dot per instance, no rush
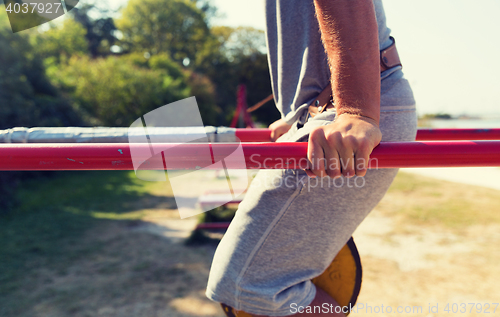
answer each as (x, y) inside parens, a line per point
(204, 134)
(62, 149)
(117, 156)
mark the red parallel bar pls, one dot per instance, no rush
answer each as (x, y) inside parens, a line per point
(253, 135)
(116, 156)
(457, 134)
(264, 135)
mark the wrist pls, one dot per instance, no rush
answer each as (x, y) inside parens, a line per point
(358, 113)
(360, 101)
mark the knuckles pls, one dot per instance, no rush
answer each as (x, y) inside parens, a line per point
(351, 141)
(317, 134)
(334, 137)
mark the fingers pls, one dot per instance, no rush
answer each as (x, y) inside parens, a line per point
(362, 157)
(338, 153)
(347, 161)
(278, 128)
(310, 173)
(274, 135)
(344, 146)
(315, 154)
(334, 155)
(274, 130)
(333, 166)
(329, 156)
(323, 156)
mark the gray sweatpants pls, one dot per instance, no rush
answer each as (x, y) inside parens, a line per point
(289, 227)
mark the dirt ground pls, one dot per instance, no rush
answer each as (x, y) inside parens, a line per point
(142, 268)
(427, 268)
(130, 272)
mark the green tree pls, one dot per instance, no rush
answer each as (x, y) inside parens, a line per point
(225, 56)
(100, 32)
(27, 97)
(199, 85)
(176, 27)
(238, 43)
(115, 92)
(233, 56)
(61, 42)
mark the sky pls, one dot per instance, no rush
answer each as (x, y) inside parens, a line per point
(450, 49)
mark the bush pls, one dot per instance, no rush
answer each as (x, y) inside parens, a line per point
(27, 97)
(61, 42)
(114, 91)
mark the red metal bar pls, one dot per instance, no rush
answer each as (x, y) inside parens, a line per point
(116, 156)
(264, 135)
(253, 135)
(457, 134)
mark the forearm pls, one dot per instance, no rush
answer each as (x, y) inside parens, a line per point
(350, 36)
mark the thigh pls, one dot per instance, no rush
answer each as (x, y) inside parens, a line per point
(286, 232)
(289, 228)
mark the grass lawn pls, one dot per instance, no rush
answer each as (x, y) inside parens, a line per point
(48, 232)
(419, 200)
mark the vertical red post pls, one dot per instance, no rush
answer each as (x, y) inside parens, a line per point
(241, 108)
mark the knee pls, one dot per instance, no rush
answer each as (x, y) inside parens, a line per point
(220, 287)
(256, 299)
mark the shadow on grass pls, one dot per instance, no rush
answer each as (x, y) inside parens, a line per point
(211, 237)
(45, 229)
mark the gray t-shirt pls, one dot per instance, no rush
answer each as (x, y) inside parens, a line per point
(297, 59)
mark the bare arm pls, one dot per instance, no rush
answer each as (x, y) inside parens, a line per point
(350, 36)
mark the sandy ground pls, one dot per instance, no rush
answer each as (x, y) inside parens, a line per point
(424, 268)
(418, 270)
(479, 176)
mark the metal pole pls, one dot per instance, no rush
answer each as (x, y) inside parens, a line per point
(457, 134)
(117, 156)
(263, 135)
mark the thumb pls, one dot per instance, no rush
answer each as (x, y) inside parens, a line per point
(274, 135)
